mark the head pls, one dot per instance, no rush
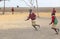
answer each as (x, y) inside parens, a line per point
(53, 15)
(30, 10)
(53, 8)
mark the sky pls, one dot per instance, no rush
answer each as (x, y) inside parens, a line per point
(27, 3)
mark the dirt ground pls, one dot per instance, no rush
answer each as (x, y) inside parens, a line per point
(15, 26)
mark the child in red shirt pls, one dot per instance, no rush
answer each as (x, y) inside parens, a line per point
(32, 16)
(53, 24)
(12, 10)
(53, 11)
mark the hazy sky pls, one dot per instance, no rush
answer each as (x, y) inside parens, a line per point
(26, 3)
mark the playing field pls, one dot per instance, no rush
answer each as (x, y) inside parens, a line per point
(15, 26)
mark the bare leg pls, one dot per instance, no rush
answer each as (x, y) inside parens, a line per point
(56, 30)
(34, 27)
(37, 25)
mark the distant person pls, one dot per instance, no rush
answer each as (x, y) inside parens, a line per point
(54, 22)
(53, 11)
(17, 6)
(32, 16)
(12, 10)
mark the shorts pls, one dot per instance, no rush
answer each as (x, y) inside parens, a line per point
(53, 25)
(33, 22)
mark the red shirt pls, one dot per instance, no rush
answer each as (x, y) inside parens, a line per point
(54, 11)
(12, 9)
(32, 16)
(53, 18)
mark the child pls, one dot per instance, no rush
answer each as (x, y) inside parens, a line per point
(53, 11)
(32, 16)
(53, 24)
(12, 10)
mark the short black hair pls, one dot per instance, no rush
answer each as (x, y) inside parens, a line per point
(30, 10)
(53, 14)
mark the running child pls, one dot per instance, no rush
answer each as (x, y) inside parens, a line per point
(53, 11)
(32, 16)
(54, 22)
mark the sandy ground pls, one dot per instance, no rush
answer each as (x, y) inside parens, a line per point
(15, 27)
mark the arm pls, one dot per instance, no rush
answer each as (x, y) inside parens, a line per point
(28, 17)
(52, 20)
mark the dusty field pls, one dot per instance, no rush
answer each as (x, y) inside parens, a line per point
(15, 27)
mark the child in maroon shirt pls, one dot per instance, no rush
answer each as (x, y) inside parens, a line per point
(12, 10)
(53, 11)
(32, 16)
(53, 24)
